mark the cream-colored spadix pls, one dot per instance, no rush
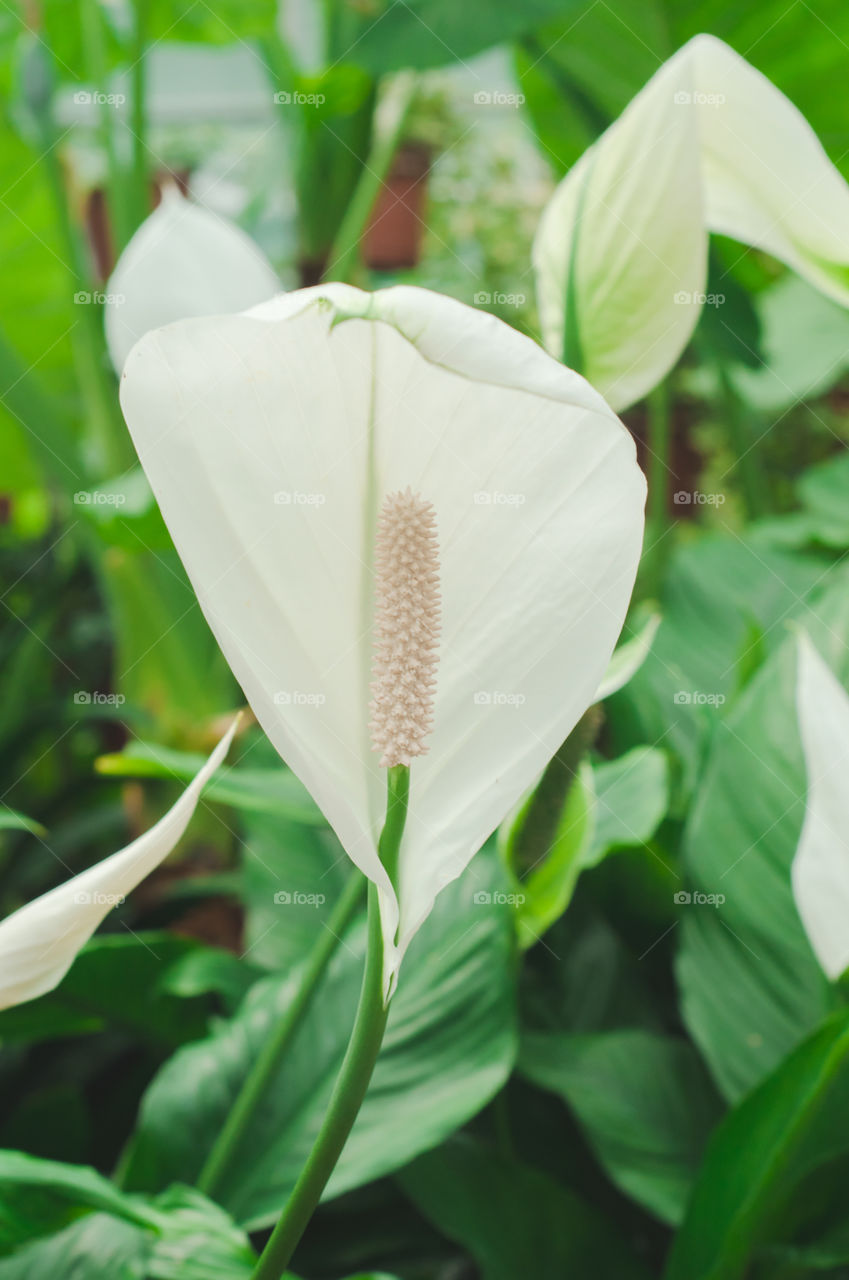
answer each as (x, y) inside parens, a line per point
(621, 252)
(272, 441)
(821, 864)
(39, 942)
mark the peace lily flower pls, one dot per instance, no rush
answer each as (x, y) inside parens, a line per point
(273, 441)
(821, 865)
(621, 252)
(39, 942)
(182, 261)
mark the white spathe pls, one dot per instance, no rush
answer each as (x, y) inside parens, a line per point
(821, 864)
(183, 261)
(39, 942)
(271, 439)
(708, 145)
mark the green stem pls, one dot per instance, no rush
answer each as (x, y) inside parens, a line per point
(736, 416)
(658, 460)
(358, 1065)
(268, 1062)
(138, 82)
(94, 54)
(344, 257)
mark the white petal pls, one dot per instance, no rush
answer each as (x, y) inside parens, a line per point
(708, 145)
(821, 864)
(539, 513)
(183, 261)
(628, 659)
(38, 943)
(626, 224)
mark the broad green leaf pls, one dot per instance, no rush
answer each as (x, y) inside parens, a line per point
(450, 1045)
(749, 1192)
(751, 987)
(432, 33)
(513, 1220)
(716, 589)
(224, 22)
(95, 1247)
(644, 1101)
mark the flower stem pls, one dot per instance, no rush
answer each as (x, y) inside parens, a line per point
(268, 1062)
(358, 1065)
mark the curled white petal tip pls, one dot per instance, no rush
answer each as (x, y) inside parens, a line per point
(270, 440)
(820, 871)
(39, 942)
(709, 145)
(183, 261)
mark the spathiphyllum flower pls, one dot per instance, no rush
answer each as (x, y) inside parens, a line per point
(621, 252)
(39, 942)
(821, 864)
(414, 535)
(183, 261)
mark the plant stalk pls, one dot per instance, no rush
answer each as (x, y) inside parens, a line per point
(268, 1062)
(358, 1065)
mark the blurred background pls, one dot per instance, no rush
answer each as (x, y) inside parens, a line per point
(378, 143)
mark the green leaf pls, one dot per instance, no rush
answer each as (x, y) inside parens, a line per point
(512, 1219)
(274, 791)
(113, 983)
(750, 1191)
(631, 799)
(751, 987)
(95, 1248)
(449, 1046)
(10, 820)
(222, 23)
(393, 34)
(644, 1101)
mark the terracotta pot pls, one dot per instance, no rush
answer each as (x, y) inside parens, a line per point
(393, 235)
